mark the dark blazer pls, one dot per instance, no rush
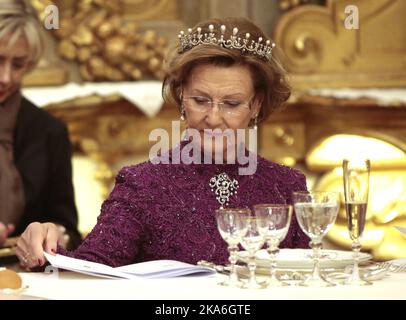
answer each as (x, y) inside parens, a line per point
(42, 154)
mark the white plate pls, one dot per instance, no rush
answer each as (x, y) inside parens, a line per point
(302, 258)
(398, 262)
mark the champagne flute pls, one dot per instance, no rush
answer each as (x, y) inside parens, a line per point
(232, 225)
(316, 212)
(276, 221)
(252, 241)
(356, 188)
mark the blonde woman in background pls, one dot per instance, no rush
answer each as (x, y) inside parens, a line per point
(35, 152)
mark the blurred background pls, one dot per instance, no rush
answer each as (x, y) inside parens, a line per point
(102, 70)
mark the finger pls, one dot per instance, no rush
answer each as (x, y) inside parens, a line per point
(51, 240)
(22, 242)
(65, 240)
(36, 235)
(21, 257)
(23, 250)
(19, 253)
(24, 256)
(22, 245)
(61, 229)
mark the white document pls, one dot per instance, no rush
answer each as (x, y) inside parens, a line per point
(86, 267)
(164, 269)
(149, 269)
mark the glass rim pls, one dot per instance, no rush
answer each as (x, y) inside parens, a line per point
(357, 160)
(272, 205)
(251, 218)
(245, 210)
(315, 192)
(357, 164)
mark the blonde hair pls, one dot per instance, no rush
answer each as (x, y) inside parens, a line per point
(16, 19)
(269, 77)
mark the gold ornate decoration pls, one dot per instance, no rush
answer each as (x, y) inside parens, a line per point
(150, 9)
(321, 52)
(107, 48)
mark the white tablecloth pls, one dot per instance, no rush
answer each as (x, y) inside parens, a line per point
(144, 94)
(382, 96)
(76, 286)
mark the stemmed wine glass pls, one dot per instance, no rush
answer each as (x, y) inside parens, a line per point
(356, 188)
(316, 212)
(232, 225)
(252, 241)
(275, 220)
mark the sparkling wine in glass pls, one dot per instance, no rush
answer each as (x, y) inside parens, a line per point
(356, 188)
(276, 221)
(232, 225)
(316, 213)
(252, 241)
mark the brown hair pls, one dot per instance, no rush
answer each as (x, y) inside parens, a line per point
(269, 77)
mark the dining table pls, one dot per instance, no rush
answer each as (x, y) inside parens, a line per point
(76, 286)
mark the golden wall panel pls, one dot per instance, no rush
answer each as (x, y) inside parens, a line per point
(150, 9)
(321, 52)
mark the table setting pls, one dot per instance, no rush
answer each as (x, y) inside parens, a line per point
(316, 211)
(258, 268)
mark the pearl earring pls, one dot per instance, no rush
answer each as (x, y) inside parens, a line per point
(182, 114)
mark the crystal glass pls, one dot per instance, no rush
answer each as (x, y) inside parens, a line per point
(356, 187)
(252, 241)
(316, 212)
(275, 220)
(232, 225)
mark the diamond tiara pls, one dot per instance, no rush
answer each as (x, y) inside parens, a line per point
(258, 48)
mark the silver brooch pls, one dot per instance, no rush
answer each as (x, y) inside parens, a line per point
(223, 187)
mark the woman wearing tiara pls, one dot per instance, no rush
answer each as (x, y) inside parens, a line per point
(224, 77)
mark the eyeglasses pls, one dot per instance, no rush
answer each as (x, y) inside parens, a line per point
(228, 107)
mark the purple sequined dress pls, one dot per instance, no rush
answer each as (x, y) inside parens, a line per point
(166, 211)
